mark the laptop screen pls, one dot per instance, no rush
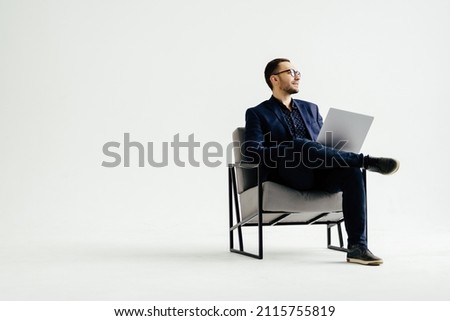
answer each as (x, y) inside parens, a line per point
(344, 130)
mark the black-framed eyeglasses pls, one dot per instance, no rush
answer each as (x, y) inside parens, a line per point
(293, 72)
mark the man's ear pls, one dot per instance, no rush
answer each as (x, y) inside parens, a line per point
(273, 79)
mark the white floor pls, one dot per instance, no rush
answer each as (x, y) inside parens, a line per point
(57, 266)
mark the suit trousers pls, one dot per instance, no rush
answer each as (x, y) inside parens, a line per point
(310, 165)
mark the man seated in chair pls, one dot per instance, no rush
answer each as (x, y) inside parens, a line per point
(280, 134)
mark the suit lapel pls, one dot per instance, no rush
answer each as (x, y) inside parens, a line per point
(275, 107)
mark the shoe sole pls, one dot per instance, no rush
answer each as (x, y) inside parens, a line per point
(358, 261)
(394, 170)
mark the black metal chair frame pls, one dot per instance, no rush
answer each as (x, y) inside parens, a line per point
(234, 210)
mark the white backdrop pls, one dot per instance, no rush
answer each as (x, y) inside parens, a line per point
(77, 74)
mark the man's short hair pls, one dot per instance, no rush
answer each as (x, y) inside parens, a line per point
(271, 67)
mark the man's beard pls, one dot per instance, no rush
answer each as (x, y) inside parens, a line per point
(291, 90)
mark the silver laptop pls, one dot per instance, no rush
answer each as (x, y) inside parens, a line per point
(344, 130)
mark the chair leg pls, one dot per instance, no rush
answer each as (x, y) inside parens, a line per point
(230, 207)
(341, 239)
(233, 203)
(234, 196)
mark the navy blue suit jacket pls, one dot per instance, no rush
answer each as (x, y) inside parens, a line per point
(267, 133)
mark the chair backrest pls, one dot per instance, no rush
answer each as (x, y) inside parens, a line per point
(246, 178)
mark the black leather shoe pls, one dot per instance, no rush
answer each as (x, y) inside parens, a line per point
(361, 255)
(385, 166)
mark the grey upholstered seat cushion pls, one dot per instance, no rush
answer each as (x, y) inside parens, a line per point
(281, 199)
